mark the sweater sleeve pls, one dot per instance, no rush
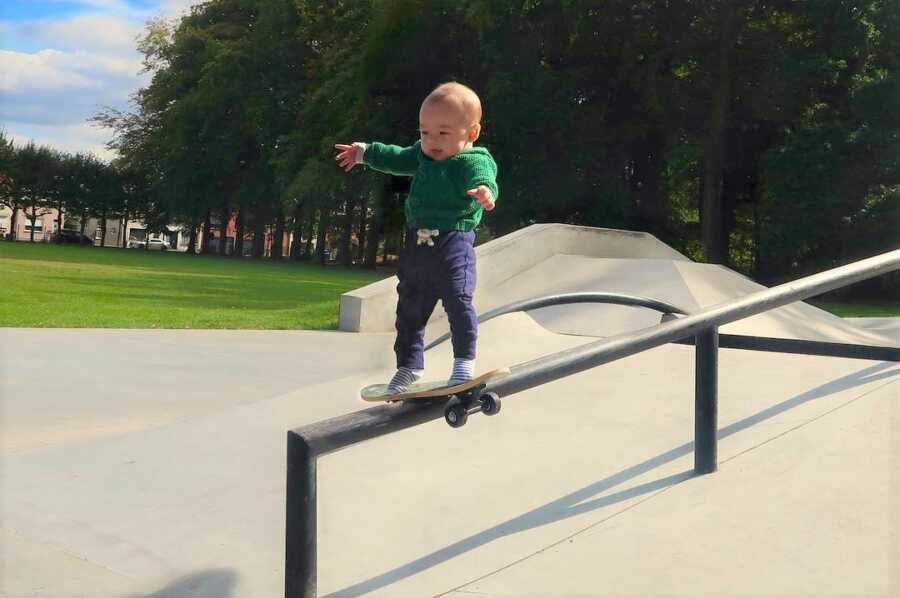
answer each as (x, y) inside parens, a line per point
(392, 159)
(478, 169)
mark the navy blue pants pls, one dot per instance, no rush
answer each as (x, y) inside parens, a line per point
(446, 272)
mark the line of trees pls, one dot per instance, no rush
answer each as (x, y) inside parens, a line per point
(761, 134)
(35, 180)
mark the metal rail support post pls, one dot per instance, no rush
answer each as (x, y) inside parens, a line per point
(300, 526)
(706, 400)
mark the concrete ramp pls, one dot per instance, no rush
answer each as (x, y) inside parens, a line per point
(372, 308)
(561, 273)
(687, 285)
(711, 285)
(551, 259)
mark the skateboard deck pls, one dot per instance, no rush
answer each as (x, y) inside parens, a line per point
(428, 390)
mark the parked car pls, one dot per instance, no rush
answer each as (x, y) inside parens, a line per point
(157, 245)
(72, 236)
(152, 244)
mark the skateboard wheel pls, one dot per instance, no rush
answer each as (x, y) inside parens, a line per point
(490, 403)
(456, 415)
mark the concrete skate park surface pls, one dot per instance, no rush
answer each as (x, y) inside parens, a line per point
(152, 463)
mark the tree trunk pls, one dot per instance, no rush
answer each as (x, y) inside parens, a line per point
(296, 250)
(204, 240)
(59, 215)
(277, 251)
(713, 226)
(323, 235)
(14, 222)
(755, 199)
(223, 233)
(192, 239)
(374, 236)
(757, 238)
(394, 243)
(238, 251)
(361, 234)
(307, 251)
(347, 234)
(103, 229)
(389, 241)
(259, 236)
(648, 208)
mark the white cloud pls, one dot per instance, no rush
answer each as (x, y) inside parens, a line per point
(54, 87)
(53, 69)
(57, 73)
(39, 72)
(88, 33)
(75, 138)
(84, 64)
(177, 8)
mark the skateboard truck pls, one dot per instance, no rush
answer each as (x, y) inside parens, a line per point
(473, 400)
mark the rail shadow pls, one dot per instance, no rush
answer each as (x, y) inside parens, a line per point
(214, 583)
(573, 504)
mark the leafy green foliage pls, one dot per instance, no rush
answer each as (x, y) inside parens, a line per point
(760, 134)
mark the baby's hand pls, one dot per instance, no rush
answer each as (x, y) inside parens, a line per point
(350, 155)
(483, 196)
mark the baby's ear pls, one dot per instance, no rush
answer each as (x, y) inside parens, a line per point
(474, 132)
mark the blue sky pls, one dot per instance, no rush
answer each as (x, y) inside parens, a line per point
(62, 61)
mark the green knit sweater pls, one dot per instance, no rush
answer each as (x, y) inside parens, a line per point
(437, 198)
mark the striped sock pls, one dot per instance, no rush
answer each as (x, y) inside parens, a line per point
(402, 379)
(463, 371)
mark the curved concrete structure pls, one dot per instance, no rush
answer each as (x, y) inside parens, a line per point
(548, 259)
(372, 308)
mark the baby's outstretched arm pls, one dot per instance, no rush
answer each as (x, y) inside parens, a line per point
(390, 159)
(483, 196)
(350, 155)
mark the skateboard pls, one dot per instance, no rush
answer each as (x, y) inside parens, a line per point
(464, 399)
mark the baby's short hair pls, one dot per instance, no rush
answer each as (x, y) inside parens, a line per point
(460, 95)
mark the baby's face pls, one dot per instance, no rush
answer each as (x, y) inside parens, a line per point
(444, 130)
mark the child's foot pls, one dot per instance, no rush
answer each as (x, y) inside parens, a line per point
(463, 371)
(402, 379)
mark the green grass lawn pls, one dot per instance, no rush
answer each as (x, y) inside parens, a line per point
(43, 285)
(860, 310)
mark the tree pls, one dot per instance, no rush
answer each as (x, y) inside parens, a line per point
(830, 186)
(8, 195)
(35, 169)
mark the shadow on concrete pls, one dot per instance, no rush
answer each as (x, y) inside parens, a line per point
(573, 504)
(214, 583)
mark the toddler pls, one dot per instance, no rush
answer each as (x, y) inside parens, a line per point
(453, 183)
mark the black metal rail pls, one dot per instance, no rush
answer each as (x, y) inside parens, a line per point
(802, 347)
(306, 444)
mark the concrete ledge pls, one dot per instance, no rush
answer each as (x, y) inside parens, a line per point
(372, 308)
